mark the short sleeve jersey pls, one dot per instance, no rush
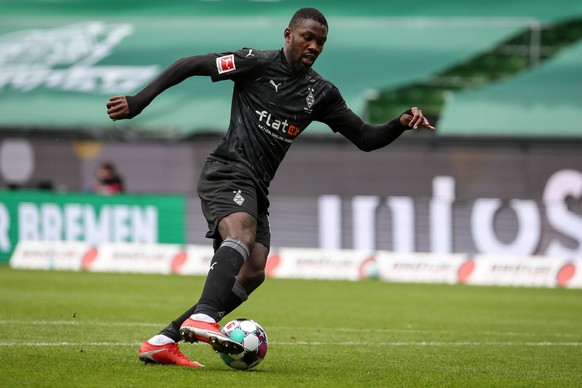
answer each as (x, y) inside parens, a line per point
(271, 106)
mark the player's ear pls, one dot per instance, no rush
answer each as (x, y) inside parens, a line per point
(287, 34)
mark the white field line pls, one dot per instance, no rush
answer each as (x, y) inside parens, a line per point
(81, 323)
(302, 329)
(64, 344)
(431, 343)
(317, 343)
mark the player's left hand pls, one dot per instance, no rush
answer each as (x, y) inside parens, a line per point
(416, 120)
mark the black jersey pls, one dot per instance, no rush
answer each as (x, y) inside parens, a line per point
(271, 106)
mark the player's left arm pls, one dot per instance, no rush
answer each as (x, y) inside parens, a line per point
(369, 137)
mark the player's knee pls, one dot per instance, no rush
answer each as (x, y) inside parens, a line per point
(258, 277)
(248, 238)
(240, 227)
(253, 279)
(252, 274)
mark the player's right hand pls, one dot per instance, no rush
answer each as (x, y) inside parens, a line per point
(117, 108)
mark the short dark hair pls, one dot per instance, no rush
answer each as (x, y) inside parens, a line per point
(307, 13)
(107, 166)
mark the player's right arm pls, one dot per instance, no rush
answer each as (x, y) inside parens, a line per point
(127, 107)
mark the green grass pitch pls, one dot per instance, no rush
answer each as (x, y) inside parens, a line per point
(84, 329)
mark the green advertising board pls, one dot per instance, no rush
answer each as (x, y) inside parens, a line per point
(46, 216)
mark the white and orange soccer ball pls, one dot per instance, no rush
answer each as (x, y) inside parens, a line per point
(252, 337)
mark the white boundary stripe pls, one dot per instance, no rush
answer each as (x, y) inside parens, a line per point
(431, 343)
(81, 323)
(444, 331)
(304, 329)
(57, 344)
(302, 343)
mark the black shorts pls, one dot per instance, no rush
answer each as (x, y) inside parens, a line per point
(225, 189)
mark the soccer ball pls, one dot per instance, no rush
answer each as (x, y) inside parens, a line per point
(252, 337)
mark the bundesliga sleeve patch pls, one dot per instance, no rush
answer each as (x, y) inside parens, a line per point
(225, 64)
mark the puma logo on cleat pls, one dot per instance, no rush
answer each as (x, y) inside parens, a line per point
(148, 355)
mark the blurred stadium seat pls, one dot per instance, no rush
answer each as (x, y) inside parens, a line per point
(542, 102)
(515, 72)
(384, 56)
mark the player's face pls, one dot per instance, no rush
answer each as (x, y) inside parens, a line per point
(304, 43)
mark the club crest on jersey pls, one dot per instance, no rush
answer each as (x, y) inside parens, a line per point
(225, 63)
(238, 198)
(310, 99)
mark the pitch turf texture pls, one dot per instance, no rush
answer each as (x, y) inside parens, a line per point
(84, 329)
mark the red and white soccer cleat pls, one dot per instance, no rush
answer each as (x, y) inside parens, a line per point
(169, 354)
(199, 331)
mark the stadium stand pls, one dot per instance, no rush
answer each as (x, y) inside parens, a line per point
(537, 9)
(398, 45)
(535, 83)
(543, 102)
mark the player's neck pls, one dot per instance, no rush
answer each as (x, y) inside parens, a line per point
(296, 69)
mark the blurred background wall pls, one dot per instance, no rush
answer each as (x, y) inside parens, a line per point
(501, 80)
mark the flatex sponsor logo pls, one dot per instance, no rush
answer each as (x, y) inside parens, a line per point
(279, 126)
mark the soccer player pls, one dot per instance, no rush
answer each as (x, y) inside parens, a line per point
(276, 96)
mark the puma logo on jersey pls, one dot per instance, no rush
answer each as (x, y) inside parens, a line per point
(276, 86)
(250, 54)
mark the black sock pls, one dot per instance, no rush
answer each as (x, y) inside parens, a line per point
(235, 298)
(220, 280)
(173, 329)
